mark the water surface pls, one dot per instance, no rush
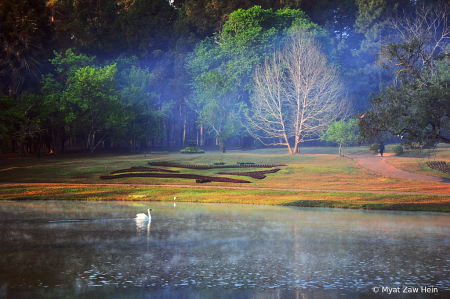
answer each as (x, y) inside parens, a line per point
(95, 249)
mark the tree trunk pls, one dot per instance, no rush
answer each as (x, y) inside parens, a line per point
(340, 149)
(21, 148)
(92, 144)
(296, 142)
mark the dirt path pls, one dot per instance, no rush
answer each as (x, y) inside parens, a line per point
(378, 164)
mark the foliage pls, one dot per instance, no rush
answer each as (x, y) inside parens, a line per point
(142, 103)
(206, 17)
(32, 126)
(93, 104)
(416, 107)
(164, 80)
(217, 106)
(397, 149)
(222, 67)
(192, 150)
(110, 28)
(374, 147)
(10, 118)
(25, 33)
(341, 132)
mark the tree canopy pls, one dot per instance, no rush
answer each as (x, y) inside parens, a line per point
(185, 69)
(416, 106)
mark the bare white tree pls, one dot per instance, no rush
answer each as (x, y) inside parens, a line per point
(297, 94)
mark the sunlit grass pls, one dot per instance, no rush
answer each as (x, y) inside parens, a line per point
(266, 197)
(314, 169)
(416, 166)
(302, 172)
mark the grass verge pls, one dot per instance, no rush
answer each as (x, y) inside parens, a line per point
(370, 201)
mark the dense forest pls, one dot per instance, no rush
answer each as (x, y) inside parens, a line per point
(154, 73)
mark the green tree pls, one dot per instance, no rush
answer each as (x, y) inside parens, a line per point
(217, 107)
(231, 58)
(10, 119)
(109, 28)
(25, 33)
(93, 104)
(53, 89)
(31, 129)
(416, 107)
(206, 17)
(142, 103)
(341, 132)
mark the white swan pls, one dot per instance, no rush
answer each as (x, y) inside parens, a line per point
(143, 217)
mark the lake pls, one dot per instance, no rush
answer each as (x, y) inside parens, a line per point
(76, 249)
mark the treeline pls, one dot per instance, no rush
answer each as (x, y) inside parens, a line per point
(161, 73)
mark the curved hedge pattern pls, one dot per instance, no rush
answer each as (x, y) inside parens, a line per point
(141, 169)
(173, 175)
(253, 174)
(439, 165)
(167, 164)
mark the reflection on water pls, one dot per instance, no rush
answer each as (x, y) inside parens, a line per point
(84, 249)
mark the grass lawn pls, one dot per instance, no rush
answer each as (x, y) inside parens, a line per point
(416, 166)
(420, 157)
(314, 169)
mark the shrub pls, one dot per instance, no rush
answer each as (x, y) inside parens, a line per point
(397, 149)
(374, 147)
(192, 150)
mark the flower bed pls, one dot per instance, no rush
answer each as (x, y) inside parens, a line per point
(167, 164)
(439, 165)
(173, 175)
(253, 174)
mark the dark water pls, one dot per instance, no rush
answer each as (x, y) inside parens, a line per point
(96, 250)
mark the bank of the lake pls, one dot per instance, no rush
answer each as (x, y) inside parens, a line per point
(383, 200)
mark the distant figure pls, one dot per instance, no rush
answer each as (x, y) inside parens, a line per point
(381, 148)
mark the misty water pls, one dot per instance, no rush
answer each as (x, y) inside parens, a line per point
(96, 250)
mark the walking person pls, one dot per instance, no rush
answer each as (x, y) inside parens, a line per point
(381, 148)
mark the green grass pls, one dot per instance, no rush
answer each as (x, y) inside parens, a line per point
(323, 170)
(267, 197)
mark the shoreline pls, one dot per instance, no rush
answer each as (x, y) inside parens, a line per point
(342, 199)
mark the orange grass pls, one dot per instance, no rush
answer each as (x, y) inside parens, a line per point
(416, 166)
(302, 172)
(266, 197)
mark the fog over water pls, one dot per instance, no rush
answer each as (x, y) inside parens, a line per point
(96, 249)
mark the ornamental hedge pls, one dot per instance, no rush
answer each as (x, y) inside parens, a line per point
(168, 164)
(253, 174)
(142, 169)
(439, 165)
(173, 175)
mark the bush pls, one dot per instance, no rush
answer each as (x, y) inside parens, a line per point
(374, 147)
(192, 150)
(397, 149)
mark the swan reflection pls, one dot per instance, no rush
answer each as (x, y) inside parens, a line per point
(142, 227)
